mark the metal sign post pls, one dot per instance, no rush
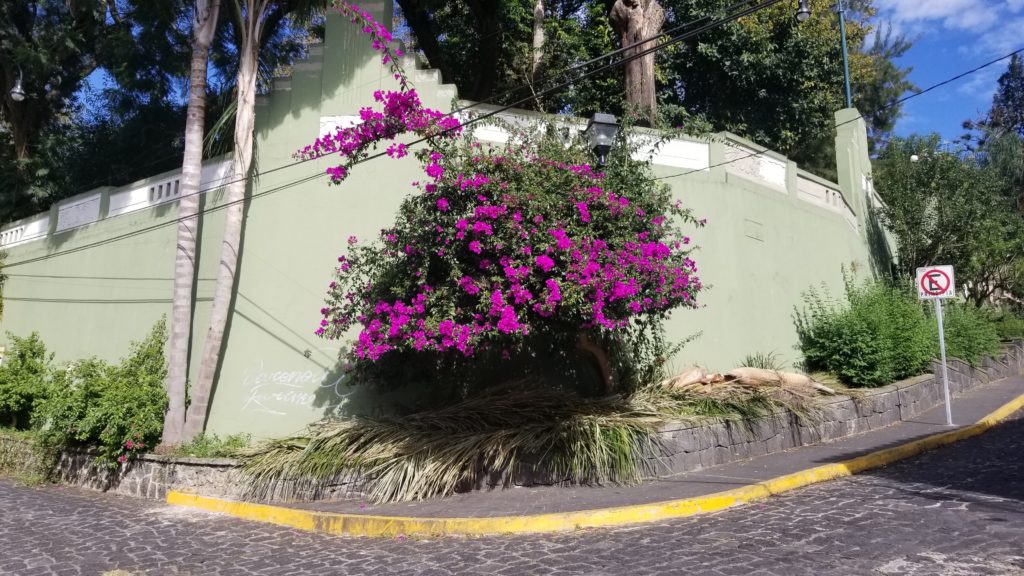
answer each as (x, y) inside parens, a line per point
(936, 283)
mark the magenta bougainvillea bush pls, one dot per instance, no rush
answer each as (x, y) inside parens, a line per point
(495, 244)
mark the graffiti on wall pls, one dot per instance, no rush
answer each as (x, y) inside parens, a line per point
(276, 392)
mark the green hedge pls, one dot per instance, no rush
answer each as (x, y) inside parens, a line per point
(118, 409)
(879, 335)
(970, 332)
(882, 333)
(24, 380)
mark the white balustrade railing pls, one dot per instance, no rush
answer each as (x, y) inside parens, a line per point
(85, 209)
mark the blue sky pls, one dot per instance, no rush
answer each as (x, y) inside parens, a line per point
(950, 37)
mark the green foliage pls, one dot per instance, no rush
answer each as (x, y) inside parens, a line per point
(879, 336)
(950, 207)
(24, 456)
(1008, 325)
(24, 379)
(970, 332)
(769, 361)
(1007, 112)
(213, 446)
(764, 77)
(118, 408)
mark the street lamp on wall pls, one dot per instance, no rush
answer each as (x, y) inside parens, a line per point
(600, 134)
(18, 93)
(846, 59)
(803, 12)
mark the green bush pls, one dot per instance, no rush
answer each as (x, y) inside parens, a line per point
(970, 332)
(117, 408)
(1007, 325)
(24, 380)
(213, 446)
(879, 336)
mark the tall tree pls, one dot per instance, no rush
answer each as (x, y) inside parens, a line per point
(880, 83)
(1007, 113)
(51, 46)
(254, 22)
(204, 23)
(950, 207)
(636, 20)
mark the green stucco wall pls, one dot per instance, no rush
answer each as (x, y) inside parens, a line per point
(762, 248)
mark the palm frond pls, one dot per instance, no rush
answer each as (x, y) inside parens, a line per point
(497, 437)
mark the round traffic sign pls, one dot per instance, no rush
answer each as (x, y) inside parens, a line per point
(935, 282)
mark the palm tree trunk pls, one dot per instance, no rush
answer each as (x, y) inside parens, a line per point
(203, 26)
(195, 419)
(538, 37)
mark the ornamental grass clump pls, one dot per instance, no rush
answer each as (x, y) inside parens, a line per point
(521, 431)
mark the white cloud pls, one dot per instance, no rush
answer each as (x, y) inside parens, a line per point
(970, 15)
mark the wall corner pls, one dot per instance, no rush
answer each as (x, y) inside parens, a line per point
(853, 164)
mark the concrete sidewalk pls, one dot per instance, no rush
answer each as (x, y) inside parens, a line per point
(555, 509)
(967, 409)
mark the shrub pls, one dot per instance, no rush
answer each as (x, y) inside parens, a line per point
(117, 408)
(970, 332)
(505, 244)
(24, 380)
(881, 335)
(213, 446)
(1007, 324)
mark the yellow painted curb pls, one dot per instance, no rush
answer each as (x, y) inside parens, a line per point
(366, 525)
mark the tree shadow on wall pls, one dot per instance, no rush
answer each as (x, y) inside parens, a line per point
(880, 251)
(402, 383)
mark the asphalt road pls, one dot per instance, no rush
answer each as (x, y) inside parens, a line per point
(955, 511)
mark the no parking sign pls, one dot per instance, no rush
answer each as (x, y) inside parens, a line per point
(936, 283)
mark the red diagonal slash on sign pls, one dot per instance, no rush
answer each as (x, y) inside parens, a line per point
(935, 282)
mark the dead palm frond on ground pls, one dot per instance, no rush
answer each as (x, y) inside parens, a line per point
(498, 437)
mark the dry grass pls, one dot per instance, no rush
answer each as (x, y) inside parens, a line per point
(497, 436)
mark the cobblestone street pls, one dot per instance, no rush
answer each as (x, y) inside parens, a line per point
(955, 511)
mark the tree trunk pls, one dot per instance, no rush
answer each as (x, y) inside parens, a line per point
(195, 420)
(203, 25)
(538, 37)
(636, 20)
(486, 15)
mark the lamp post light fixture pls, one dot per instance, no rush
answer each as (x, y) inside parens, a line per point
(18, 93)
(803, 12)
(600, 133)
(841, 10)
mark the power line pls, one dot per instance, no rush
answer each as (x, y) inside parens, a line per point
(672, 41)
(860, 116)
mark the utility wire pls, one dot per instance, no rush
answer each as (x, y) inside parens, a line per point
(672, 41)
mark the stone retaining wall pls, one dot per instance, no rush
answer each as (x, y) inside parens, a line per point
(683, 448)
(689, 447)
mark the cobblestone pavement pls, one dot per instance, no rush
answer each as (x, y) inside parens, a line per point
(956, 511)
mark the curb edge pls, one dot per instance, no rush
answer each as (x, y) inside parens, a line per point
(390, 526)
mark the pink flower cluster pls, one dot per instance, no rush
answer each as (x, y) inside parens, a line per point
(380, 38)
(518, 266)
(476, 259)
(403, 113)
